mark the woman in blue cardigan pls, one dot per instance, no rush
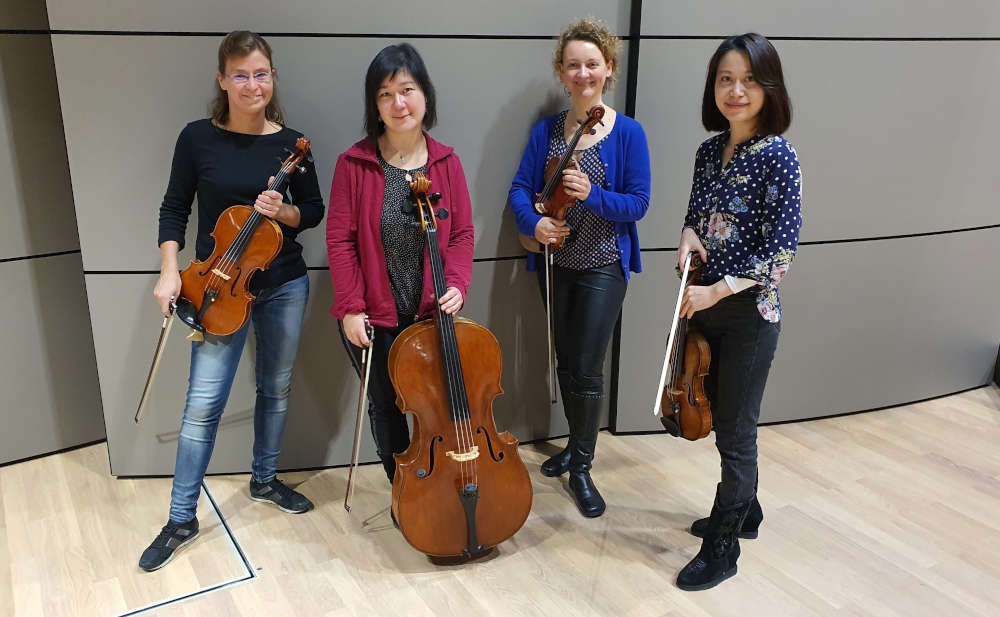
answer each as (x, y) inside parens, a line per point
(591, 268)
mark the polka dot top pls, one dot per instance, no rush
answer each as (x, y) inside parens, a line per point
(402, 242)
(592, 242)
(748, 214)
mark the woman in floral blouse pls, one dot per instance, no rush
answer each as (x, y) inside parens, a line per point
(743, 220)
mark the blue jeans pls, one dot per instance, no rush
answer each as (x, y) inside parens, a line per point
(743, 346)
(277, 321)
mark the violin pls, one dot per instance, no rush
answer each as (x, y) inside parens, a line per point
(553, 201)
(214, 295)
(681, 402)
(461, 487)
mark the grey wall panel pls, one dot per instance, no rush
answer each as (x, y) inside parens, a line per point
(38, 201)
(49, 397)
(324, 390)
(876, 160)
(866, 325)
(23, 15)
(520, 17)
(131, 138)
(875, 18)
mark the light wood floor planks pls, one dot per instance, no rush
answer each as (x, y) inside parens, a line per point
(890, 513)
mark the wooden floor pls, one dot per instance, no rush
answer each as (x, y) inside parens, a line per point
(892, 513)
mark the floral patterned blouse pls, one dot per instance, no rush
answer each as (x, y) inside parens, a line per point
(748, 214)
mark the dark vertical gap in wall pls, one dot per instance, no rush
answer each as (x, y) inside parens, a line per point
(631, 84)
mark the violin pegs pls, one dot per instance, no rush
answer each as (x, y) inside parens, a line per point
(434, 197)
(442, 213)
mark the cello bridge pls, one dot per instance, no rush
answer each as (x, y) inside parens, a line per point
(462, 457)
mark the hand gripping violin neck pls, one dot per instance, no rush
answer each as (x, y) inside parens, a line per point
(461, 487)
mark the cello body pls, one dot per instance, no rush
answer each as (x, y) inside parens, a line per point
(428, 482)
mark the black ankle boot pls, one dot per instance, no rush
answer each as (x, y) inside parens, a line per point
(587, 497)
(748, 531)
(716, 561)
(587, 410)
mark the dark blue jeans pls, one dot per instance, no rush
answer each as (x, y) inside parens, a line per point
(277, 321)
(743, 345)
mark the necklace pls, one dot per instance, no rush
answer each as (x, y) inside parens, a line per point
(399, 153)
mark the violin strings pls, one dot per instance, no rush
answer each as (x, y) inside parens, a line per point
(227, 263)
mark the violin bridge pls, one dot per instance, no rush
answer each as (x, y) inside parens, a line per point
(220, 273)
(462, 457)
(539, 207)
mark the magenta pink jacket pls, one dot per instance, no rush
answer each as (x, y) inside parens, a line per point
(354, 235)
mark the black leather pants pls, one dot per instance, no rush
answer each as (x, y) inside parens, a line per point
(585, 307)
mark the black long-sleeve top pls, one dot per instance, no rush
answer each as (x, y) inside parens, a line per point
(225, 169)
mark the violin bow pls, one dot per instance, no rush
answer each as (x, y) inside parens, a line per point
(168, 322)
(657, 412)
(366, 371)
(548, 323)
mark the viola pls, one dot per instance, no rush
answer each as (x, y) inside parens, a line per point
(461, 487)
(681, 402)
(214, 294)
(553, 201)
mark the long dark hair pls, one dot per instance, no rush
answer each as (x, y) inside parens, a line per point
(388, 62)
(776, 115)
(239, 44)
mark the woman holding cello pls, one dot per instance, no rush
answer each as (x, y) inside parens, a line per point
(599, 245)
(743, 221)
(378, 256)
(224, 161)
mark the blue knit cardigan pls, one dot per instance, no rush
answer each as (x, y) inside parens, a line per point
(625, 201)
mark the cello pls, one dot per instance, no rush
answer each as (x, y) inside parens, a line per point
(681, 403)
(214, 295)
(460, 488)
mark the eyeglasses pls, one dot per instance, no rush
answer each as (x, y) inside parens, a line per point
(242, 79)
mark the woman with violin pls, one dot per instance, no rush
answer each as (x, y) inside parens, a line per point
(224, 161)
(608, 191)
(377, 250)
(743, 221)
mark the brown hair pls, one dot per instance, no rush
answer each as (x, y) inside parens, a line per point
(239, 44)
(591, 30)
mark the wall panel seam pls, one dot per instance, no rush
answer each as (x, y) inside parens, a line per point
(40, 256)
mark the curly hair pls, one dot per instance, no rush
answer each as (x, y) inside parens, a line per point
(591, 30)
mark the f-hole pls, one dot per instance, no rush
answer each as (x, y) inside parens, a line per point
(495, 455)
(430, 453)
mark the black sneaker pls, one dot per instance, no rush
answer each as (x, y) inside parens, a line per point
(276, 492)
(172, 537)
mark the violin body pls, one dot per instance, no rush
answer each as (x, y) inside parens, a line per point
(553, 201)
(685, 410)
(685, 404)
(214, 294)
(428, 482)
(231, 307)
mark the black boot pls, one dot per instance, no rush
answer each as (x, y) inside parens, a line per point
(588, 499)
(557, 465)
(748, 531)
(716, 561)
